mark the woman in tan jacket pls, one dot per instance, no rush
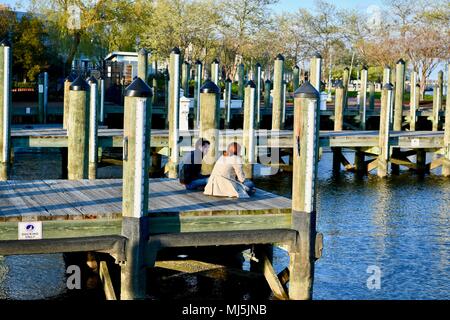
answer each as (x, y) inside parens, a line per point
(227, 178)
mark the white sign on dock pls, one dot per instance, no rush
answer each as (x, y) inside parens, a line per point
(30, 230)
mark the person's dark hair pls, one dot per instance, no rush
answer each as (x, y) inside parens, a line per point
(201, 143)
(233, 149)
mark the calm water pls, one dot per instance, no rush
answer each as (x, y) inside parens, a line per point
(400, 224)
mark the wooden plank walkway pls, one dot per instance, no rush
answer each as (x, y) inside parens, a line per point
(91, 208)
(53, 136)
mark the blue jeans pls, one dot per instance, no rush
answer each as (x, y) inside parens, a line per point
(197, 183)
(249, 184)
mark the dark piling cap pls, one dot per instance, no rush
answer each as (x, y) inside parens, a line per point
(306, 91)
(228, 80)
(71, 77)
(267, 81)
(209, 87)
(198, 62)
(5, 43)
(340, 85)
(317, 55)
(401, 61)
(258, 65)
(215, 61)
(279, 57)
(138, 88)
(79, 84)
(296, 67)
(185, 62)
(418, 85)
(346, 69)
(387, 67)
(250, 84)
(388, 86)
(364, 67)
(142, 51)
(175, 50)
(91, 80)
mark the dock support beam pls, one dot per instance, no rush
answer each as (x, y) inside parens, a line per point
(383, 143)
(339, 107)
(363, 98)
(209, 123)
(241, 81)
(43, 97)
(414, 97)
(446, 164)
(174, 111)
(371, 96)
(215, 72)
(101, 89)
(93, 128)
(185, 72)
(249, 138)
(78, 130)
(143, 64)
(304, 185)
(277, 92)
(345, 82)
(267, 88)
(5, 108)
(137, 109)
(67, 84)
(399, 90)
(296, 78)
(227, 99)
(258, 94)
(198, 84)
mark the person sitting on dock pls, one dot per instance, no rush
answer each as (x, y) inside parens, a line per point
(227, 177)
(190, 173)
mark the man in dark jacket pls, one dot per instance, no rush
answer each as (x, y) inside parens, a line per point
(190, 173)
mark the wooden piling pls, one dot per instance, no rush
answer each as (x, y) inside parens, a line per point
(137, 108)
(277, 92)
(93, 128)
(436, 107)
(440, 83)
(283, 105)
(198, 85)
(143, 64)
(67, 84)
(315, 71)
(386, 75)
(339, 107)
(371, 96)
(185, 73)
(304, 186)
(383, 137)
(241, 81)
(446, 164)
(363, 98)
(267, 88)
(296, 78)
(78, 130)
(249, 138)
(258, 82)
(101, 89)
(174, 111)
(154, 82)
(227, 99)
(5, 108)
(399, 91)
(215, 72)
(414, 96)
(209, 123)
(345, 82)
(42, 97)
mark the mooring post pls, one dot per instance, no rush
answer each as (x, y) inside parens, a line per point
(227, 98)
(166, 96)
(315, 71)
(67, 82)
(296, 78)
(241, 83)
(446, 164)
(198, 85)
(383, 137)
(338, 123)
(185, 77)
(215, 72)
(277, 92)
(267, 88)
(436, 107)
(136, 147)
(249, 138)
(371, 96)
(154, 83)
(78, 130)
(413, 101)
(283, 105)
(5, 108)
(258, 94)
(101, 89)
(42, 96)
(440, 83)
(345, 82)
(143, 64)
(304, 186)
(93, 128)
(363, 98)
(174, 111)
(399, 91)
(209, 123)
(386, 75)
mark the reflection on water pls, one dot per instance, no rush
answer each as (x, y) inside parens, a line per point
(399, 224)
